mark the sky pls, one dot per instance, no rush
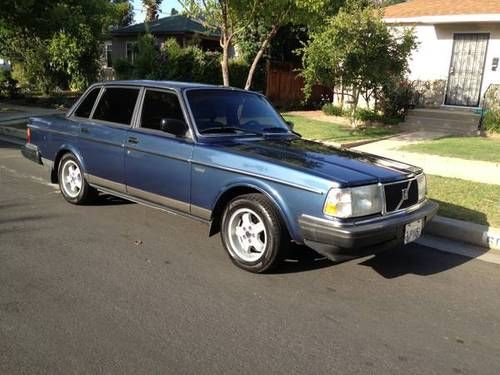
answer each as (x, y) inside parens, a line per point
(165, 9)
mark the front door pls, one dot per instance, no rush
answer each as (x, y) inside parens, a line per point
(466, 69)
(157, 163)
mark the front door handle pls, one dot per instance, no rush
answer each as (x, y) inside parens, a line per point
(84, 130)
(133, 140)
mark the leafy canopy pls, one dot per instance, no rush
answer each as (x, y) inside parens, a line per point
(356, 50)
(56, 43)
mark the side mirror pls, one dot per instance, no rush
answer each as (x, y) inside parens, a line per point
(289, 124)
(175, 127)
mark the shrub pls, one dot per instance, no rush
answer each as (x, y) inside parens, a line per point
(332, 109)
(189, 64)
(396, 98)
(123, 69)
(491, 121)
(8, 85)
(367, 115)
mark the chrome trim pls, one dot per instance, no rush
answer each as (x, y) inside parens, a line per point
(152, 205)
(384, 206)
(99, 182)
(101, 94)
(82, 98)
(148, 199)
(298, 186)
(137, 124)
(101, 141)
(404, 195)
(201, 212)
(137, 149)
(158, 199)
(49, 130)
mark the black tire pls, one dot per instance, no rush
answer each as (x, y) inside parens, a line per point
(276, 234)
(86, 194)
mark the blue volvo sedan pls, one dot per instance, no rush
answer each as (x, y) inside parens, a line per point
(225, 157)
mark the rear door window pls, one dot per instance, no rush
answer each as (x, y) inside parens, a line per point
(159, 105)
(85, 107)
(117, 105)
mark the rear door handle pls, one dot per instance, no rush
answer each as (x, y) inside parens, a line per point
(133, 140)
(84, 130)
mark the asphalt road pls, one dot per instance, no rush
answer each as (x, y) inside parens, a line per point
(124, 289)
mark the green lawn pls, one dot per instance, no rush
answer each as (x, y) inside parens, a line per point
(320, 130)
(466, 200)
(472, 148)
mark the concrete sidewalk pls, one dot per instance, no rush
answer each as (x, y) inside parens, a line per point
(472, 170)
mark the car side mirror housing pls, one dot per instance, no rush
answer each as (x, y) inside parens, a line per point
(173, 126)
(289, 124)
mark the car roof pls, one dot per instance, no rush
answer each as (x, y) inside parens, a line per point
(176, 85)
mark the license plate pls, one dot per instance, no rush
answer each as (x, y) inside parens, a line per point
(413, 231)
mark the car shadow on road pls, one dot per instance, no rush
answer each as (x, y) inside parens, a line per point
(109, 200)
(300, 259)
(413, 259)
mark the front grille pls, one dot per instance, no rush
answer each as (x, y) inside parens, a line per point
(394, 195)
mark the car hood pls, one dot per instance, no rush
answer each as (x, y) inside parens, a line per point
(346, 167)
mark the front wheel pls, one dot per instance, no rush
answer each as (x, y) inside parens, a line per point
(253, 233)
(72, 182)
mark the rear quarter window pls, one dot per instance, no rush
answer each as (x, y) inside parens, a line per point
(85, 107)
(117, 105)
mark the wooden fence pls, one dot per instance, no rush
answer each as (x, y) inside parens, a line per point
(284, 86)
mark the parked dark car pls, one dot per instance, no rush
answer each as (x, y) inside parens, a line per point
(225, 157)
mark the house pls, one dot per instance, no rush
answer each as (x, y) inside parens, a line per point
(187, 31)
(457, 59)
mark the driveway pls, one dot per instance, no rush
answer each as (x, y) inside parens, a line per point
(121, 288)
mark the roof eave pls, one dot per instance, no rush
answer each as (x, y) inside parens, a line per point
(443, 19)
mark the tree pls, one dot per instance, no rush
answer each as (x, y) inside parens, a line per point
(274, 14)
(356, 52)
(230, 17)
(174, 12)
(233, 17)
(152, 8)
(55, 43)
(124, 12)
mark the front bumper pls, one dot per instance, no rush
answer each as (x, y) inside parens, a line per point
(32, 153)
(359, 238)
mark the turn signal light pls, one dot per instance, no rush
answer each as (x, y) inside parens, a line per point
(28, 135)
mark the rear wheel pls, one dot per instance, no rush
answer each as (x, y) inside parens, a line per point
(72, 182)
(252, 233)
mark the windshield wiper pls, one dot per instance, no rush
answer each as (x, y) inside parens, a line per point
(222, 129)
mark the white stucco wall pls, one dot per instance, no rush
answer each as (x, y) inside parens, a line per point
(431, 60)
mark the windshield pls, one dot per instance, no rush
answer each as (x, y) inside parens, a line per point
(233, 112)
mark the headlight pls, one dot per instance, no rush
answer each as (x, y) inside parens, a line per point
(353, 202)
(422, 186)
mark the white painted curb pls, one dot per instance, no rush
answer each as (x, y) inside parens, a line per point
(464, 231)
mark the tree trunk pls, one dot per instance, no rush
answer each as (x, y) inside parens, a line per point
(258, 56)
(355, 100)
(225, 43)
(225, 62)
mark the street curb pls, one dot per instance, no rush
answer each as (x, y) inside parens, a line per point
(12, 140)
(459, 248)
(11, 132)
(464, 231)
